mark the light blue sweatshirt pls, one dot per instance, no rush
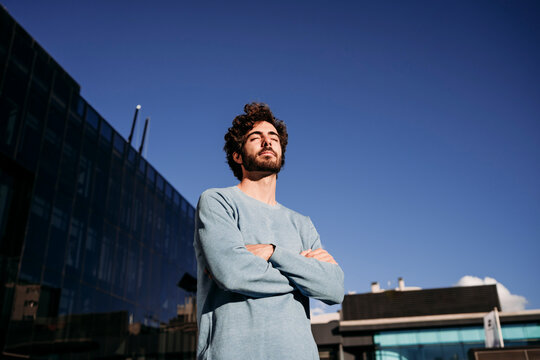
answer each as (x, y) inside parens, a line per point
(249, 308)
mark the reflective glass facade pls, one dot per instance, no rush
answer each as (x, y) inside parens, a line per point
(447, 343)
(96, 257)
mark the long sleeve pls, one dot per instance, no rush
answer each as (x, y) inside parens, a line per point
(243, 300)
(230, 264)
(320, 280)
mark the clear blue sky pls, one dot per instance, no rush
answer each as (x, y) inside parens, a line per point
(414, 125)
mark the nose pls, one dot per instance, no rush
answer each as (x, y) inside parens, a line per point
(266, 141)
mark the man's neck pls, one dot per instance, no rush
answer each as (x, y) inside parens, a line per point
(260, 188)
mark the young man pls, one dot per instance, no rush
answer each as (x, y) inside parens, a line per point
(258, 262)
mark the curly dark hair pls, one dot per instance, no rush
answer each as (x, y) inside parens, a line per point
(242, 124)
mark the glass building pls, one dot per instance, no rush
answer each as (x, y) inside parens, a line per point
(96, 256)
(448, 343)
(431, 324)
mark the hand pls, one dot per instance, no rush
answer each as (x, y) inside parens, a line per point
(261, 250)
(319, 254)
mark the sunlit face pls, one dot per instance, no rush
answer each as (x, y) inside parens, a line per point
(262, 149)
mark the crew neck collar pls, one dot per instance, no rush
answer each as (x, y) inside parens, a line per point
(262, 203)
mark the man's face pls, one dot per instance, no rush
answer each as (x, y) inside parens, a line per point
(262, 149)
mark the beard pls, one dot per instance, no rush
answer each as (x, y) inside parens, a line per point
(260, 163)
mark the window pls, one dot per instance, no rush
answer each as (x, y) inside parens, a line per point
(150, 175)
(92, 118)
(106, 132)
(118, 143)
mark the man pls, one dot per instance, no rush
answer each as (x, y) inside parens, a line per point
(258, 262)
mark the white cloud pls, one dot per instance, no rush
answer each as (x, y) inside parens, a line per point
(324, 318)
(320, 313)
(317, 311)
(509, 301)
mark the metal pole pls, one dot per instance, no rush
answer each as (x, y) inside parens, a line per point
(137, 108)
(144, 134)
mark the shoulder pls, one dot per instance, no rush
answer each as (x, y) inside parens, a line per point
(213, 192)
(224, 196)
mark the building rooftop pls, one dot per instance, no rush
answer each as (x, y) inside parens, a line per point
(403, 303)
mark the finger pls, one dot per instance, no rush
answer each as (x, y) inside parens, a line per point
(325, 257)
(316, 253)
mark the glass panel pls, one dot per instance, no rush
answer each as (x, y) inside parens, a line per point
(106, 132)
(30, 269)
(22, 50)
(92, 118)
(99, 192)
(9, 127)
(75, 247)
(118, 143)
(119, 267)
(131, 271)
(428, 337)
(132, 156)
(431, 336)
(532, 331)
(38, 226)
(433, 352)
(86, 299)
(78, 106)
(453, 352)
(106, 258)
(448, 335)
(160, 183)
(513, 332)
(56, 248)
(472, 335)
(29, 146)
(155, 282)
(68, 169)
(92, 251)
(150, 175)
(84, 176)
(406, 338)
(385, 339)
(142, 167)
(145, 278)
(68, 297)
(168, 191)
(62, 87)
(42, 72)
(56, 119)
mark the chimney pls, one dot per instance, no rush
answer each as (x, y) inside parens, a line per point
(401, 283)
(375, 287)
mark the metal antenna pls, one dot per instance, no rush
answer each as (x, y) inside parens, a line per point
(137, 108)
(144, 134)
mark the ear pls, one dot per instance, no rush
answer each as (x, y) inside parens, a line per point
(237, 158)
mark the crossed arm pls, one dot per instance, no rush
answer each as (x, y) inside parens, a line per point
(265, 251)
(221, 251)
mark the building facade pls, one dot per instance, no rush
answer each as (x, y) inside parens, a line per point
(427, 324)
(96, 256)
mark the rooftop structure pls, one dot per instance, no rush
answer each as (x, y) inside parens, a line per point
(445, 323)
